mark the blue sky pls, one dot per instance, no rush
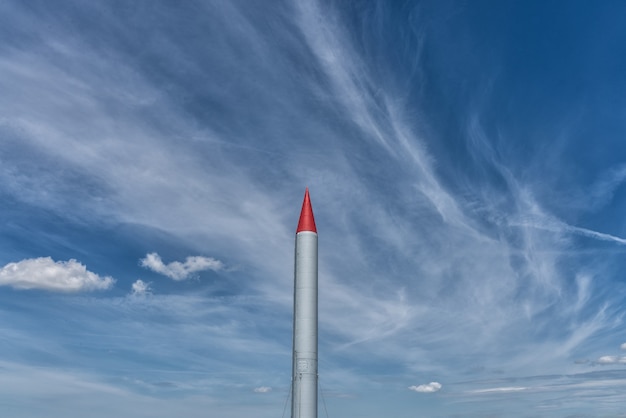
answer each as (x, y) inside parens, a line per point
(467, 170)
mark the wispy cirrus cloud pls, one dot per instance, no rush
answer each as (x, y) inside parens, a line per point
(506, 273)
(505, 389)
(55, 276)
(180, 271)
(102, 129)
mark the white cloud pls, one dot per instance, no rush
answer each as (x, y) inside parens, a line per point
(507, 389)
(46, 274)
(427, 388)
(623, 346)
(263, 389)
(180, 271)
(141, 288)
(612, 360)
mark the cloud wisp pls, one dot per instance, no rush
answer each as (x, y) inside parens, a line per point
(505, 389)
(45, 274)
(180, 271)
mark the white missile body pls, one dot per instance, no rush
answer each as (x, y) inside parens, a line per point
(304, 372)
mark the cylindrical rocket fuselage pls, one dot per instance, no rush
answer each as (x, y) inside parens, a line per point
(304, 375)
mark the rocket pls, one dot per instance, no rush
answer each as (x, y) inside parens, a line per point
(304, 366)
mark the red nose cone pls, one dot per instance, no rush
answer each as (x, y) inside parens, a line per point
(307, 221)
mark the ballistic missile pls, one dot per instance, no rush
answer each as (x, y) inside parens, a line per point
(304, 366)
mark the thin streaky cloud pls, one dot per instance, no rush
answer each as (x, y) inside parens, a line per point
(508, 389)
